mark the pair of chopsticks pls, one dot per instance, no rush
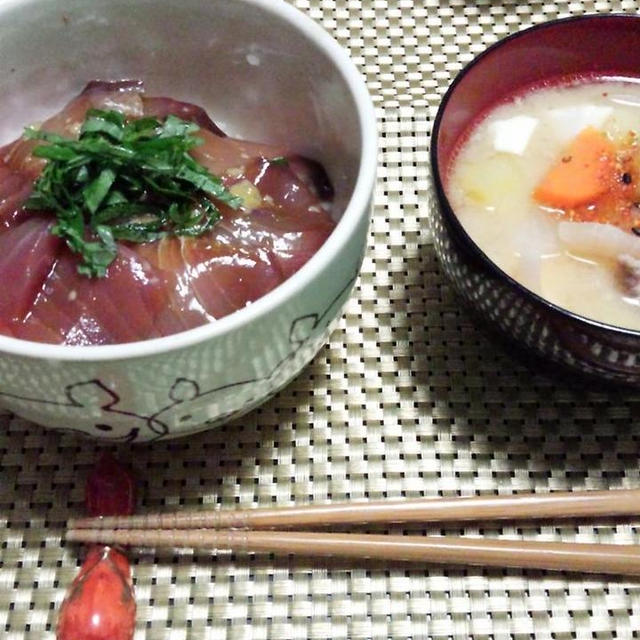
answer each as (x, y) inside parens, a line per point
(272, 530)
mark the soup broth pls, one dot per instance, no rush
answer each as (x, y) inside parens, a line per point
(548, 186)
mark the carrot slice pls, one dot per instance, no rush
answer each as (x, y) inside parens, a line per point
(583, 173)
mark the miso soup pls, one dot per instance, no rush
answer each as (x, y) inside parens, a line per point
(548, 186)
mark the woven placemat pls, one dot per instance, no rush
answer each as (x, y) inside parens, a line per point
(408, 398)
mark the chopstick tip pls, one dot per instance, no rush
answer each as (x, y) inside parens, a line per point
(87, 535)
(71, 534)
(98, 522)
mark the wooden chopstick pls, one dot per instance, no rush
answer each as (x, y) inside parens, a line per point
(592, 504)
(556, 556)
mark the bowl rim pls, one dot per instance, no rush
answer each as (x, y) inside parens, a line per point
(447, 207)
(359, 205)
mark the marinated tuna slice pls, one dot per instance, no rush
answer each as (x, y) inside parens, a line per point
(288, 221)
(162, 107)
(215, 274)
(121, 307)
(28, 252)
(15, 187)
(182, 311)
(289, 241)
(313, 175)
(133, 261)
(226, 276)
(282, 187)
(283, 214)
(123, 96)
(228, 157)
(250, 251)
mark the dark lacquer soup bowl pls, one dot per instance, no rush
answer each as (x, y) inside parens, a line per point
(600, 46)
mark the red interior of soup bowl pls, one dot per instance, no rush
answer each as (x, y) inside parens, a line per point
(600, 45)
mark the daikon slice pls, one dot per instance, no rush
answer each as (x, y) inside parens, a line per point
(598, 240)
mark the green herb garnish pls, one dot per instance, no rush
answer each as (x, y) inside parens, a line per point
(280, 160)
(131, 181)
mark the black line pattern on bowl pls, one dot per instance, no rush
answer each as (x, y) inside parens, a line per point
(184, 391)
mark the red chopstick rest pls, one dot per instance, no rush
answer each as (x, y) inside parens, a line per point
(111, 489)
(100, 604)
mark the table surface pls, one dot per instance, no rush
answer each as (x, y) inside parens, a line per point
(408, 398)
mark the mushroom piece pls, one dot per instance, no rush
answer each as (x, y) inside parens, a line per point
(629, 275)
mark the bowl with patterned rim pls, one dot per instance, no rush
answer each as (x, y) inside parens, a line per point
(263, 71)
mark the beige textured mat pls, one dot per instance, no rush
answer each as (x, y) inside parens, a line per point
(409, 398)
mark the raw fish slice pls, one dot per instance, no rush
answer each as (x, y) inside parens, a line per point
(124, 96)
(290, 224)
(49, 322)
(215, 275)
(61, 307)
(280, 186)
(162, 107)
(312, 174)
(226, 276)
(118, 95)
(174, 284)
(120, 307)
(5, 330)
(293, 180)
(137, 284)
(220, 155)
(183, 308)
(15, 187)
(102, 308)
(27, 254)
(282, 237)
(55, 318)
(32, 329)
(248, 252)
(76, 301)
(296, 205)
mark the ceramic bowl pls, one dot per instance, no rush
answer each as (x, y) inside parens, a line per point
(598, 45)
(264, 71)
